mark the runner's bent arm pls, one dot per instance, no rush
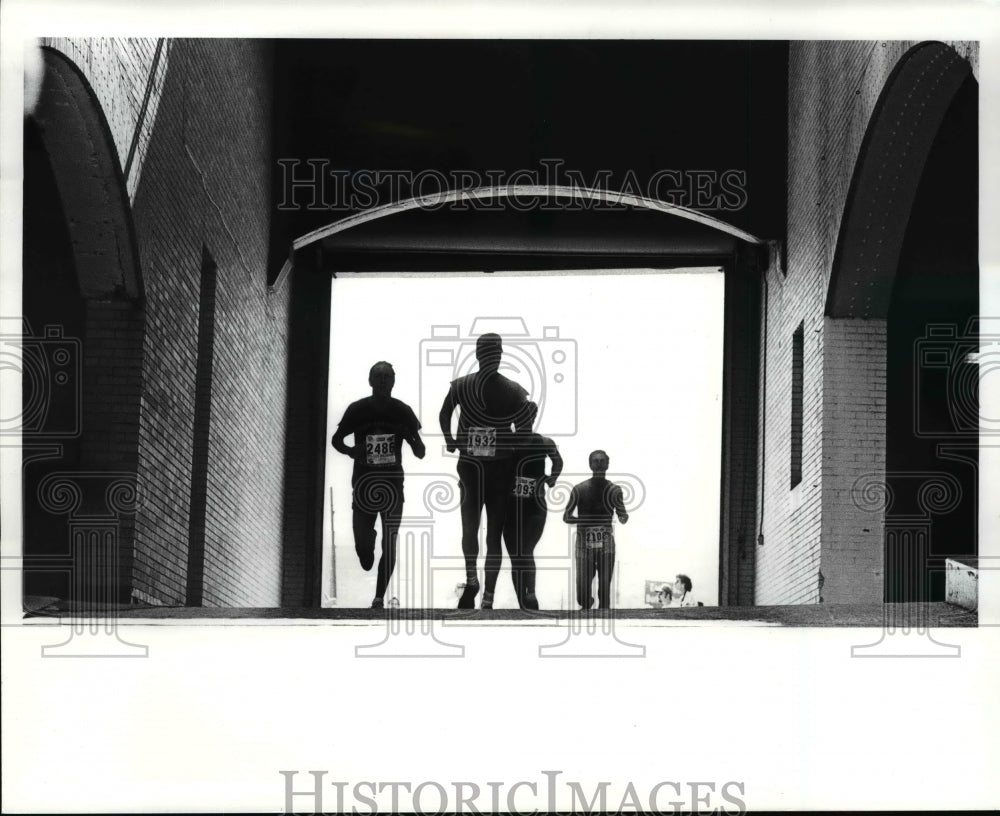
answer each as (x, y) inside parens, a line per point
(557, 462)
(338, 442)
(619, 503)
(417, 444)
(570, 507)
(413, 434)
(444, 417)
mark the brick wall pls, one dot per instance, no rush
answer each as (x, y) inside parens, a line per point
(205, 184)
(833, 89)
(788, 560)
(127, 76)
(853, 470)
(739, 439)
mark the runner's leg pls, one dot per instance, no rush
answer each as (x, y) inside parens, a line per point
(512, 541)
(470, 482)
(606, 568)
(497, 492)
(586, 566)
(390, 533)
(534, 526)
(364, 536)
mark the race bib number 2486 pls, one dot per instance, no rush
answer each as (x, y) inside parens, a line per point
(380, 449)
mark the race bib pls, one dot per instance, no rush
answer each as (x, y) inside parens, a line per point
(482, 441)
(380, 449)
(524, 487)
(595, 538)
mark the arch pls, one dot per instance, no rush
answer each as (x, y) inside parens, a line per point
(901, 131)
(82, 289)
(514, 191)
(75, 134)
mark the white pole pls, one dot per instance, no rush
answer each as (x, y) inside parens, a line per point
(333, 554)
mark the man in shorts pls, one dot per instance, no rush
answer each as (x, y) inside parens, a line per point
(595, 500)
(379, 424)
(527, 508)
(489, 403)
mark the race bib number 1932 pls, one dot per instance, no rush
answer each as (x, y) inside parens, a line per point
(482, 441)
(380, 449)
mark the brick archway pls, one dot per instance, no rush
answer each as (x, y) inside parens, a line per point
(897, 143)
(705, 241)
(913, 194)
(82, 292)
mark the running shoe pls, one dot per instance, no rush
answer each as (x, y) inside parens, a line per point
(468, 599)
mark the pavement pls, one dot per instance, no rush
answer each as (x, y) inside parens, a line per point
(932, 615)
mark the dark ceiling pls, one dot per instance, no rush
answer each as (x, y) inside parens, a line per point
(627, 109)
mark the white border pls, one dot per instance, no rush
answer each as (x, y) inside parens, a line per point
(211, 717)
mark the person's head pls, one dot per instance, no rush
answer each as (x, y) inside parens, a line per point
(489, 349)
(682, 585)
(599, 461)
(666, 593)
(381, 378)
(526, 419)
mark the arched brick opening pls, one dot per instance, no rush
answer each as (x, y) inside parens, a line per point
(405, 236)
(82, 302)
(904, 284)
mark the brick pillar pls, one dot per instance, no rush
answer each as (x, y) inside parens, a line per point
(741, 360)
(853, 517)
(112, 383)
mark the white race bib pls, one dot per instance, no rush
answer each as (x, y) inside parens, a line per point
(524, 487)
(482, 441)
(380, 449)
(594, 538)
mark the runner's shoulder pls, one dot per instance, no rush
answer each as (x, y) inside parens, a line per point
(512, 386)
(465, 379)
(399, 405)
(358, 406)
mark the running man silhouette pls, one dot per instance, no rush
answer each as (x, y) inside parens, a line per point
(379, 424)
(524, 520)
(595, 500)
(488, 404)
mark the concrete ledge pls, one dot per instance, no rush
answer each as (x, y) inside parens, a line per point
(916, 615)
(961, 582)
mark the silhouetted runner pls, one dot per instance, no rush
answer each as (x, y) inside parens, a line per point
(379, 424)
(595, 500)
(527, 508)
(488, 404)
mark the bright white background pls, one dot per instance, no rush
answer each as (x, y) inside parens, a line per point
(208, 720)
(647, 349)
